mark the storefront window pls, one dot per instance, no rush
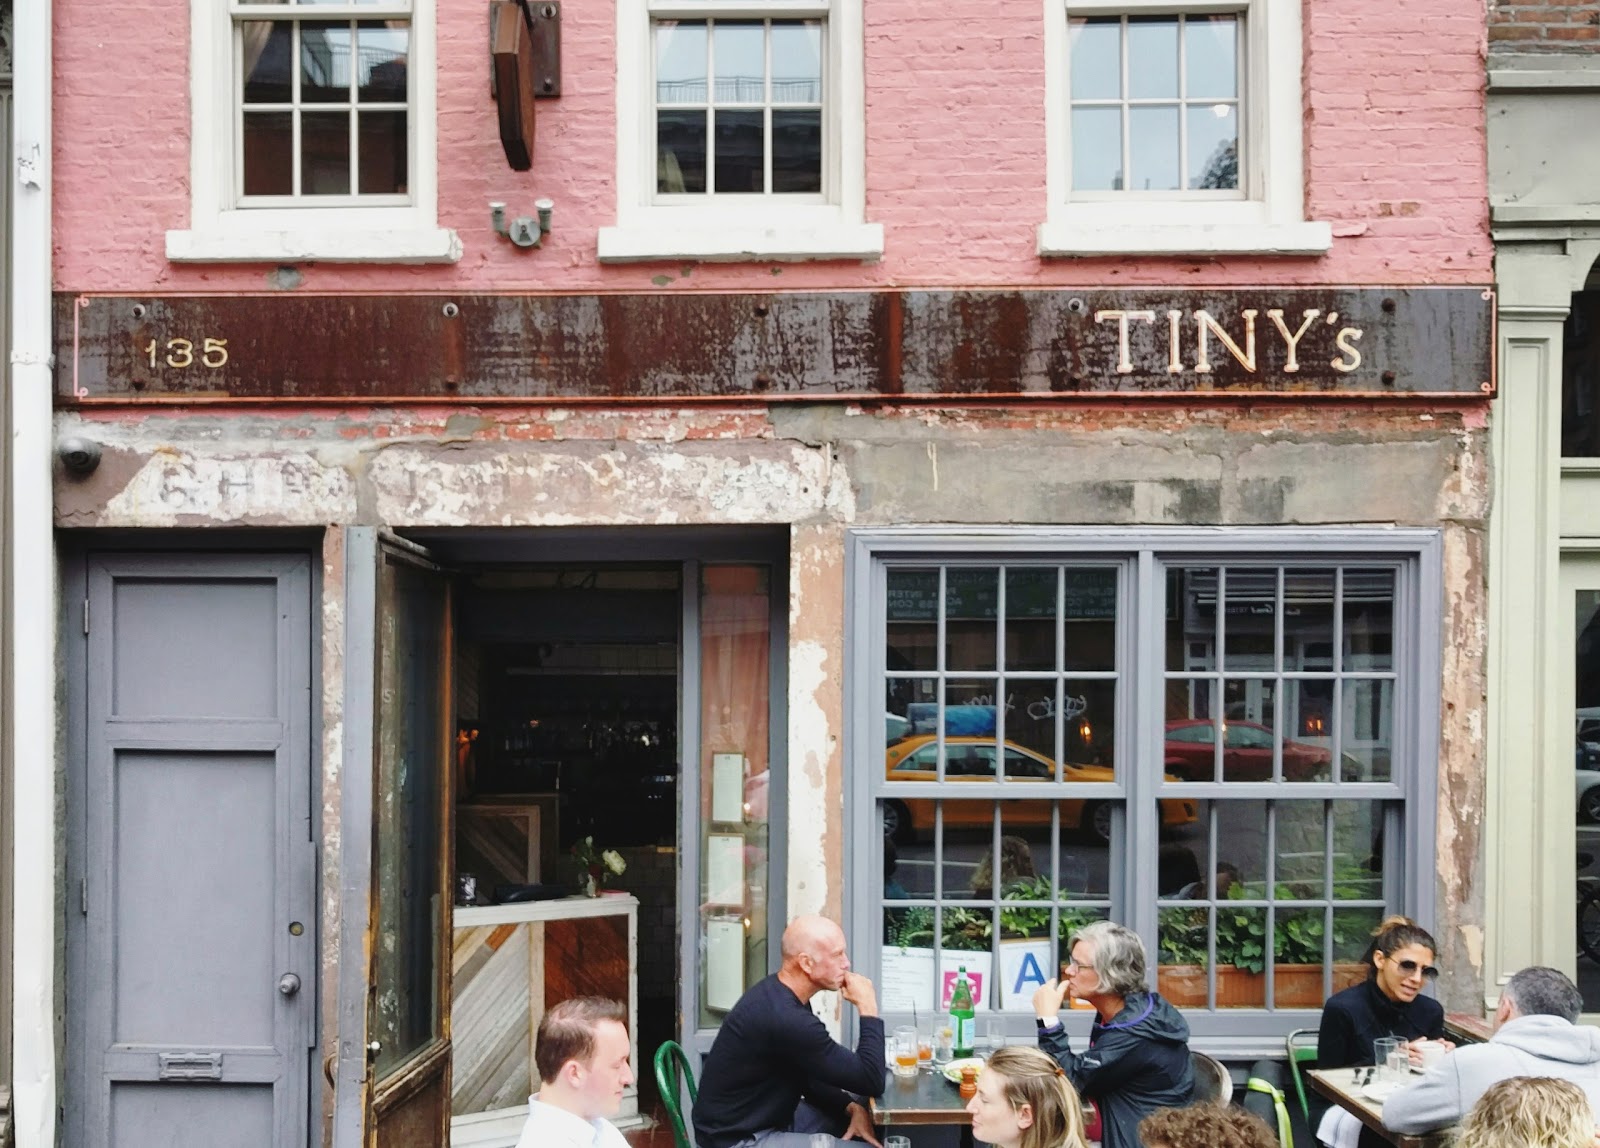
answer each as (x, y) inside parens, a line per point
(1580, 378)
(1024, 710)
(1586, 723)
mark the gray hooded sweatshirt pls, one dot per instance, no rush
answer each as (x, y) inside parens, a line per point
(1523, 1046)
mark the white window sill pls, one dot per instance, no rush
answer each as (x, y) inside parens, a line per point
(418, 245)
(736, 244)
(1198, 238)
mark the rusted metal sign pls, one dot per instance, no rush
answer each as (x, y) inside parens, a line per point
(790, 346)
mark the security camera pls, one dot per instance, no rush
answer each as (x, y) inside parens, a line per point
(79, 455)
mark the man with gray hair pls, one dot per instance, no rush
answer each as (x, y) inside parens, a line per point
(1138, 1055)
(1535, 1034)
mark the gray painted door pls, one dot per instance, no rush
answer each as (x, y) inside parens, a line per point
(197, 974)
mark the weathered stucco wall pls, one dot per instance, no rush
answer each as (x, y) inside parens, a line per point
(821, 470)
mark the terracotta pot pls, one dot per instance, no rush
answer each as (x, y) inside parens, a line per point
(1294, 986)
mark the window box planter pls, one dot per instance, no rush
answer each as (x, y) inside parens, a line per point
(1295, 986)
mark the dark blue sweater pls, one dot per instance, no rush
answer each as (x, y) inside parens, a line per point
(770, 1052)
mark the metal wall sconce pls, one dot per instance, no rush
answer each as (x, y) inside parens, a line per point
(524, 230)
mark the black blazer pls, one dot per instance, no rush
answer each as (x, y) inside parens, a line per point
(1355, 1017)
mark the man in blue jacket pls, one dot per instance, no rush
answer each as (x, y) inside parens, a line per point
(1138, 1055)
(774, 1077)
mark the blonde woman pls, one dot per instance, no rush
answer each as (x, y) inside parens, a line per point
(1530, 1112)
(1024, 1100)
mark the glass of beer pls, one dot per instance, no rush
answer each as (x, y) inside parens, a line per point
(904, 1049)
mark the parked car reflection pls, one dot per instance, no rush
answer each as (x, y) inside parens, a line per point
(1246, 753)
(973, 759)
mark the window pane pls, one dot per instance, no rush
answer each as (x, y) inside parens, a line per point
(1211, 57)
(970, 601)
(269, 153)
(1249, 728)
(1300, 851)
(735, 648)
(1031, 618)
(1153, 149)
(1357, 851)
(1024, 872)
(1089, 736)
(1308, 730)
(681, 62)
(1031, 707)
(968, 838)
(268, 48)
(383, 153)
(1096, 149)
(1307, 620)
(1366, 745)
(1191, 619)
(1241, 848)
(382, 74)
(741, 146)
(912, 616)
(1091, 619)
(739, 52)
(1251, 611)
(1096, 59)
(681, 149)
(1153, 57)
(1183, 955)
(797, 151)
(1191, 731)
(910, 712)
(1368, 619)
(1580, 379)
(324, 62)
(1586, 728)
(797, 62)
(1214, 147)
(325, 153)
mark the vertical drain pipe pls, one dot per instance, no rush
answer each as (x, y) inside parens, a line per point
(31, 712)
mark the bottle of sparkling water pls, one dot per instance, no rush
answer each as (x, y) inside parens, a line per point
(962, 1019)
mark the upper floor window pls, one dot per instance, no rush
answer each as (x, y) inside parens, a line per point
(740, 134)
(313, 133)
(1155, 103)
(1194, 105)
(324, 107)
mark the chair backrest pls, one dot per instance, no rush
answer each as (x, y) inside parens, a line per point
(1265, 1098)
(672, 1073)
(1212, 1084)
(1301, 1047)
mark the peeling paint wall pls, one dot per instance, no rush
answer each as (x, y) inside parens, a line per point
(822, 470)
(330, 794)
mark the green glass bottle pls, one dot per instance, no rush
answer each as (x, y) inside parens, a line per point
(962, 1020)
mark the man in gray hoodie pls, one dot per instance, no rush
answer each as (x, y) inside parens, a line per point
(1535, 1035)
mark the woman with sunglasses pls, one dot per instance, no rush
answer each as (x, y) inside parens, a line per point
(1388, 1003)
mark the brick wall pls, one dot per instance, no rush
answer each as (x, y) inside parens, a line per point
(1543, 26)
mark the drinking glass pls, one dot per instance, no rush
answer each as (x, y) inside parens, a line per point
(994, 1033)
(944, 1045)
(897, 1142)
(1389, 1054)
(905, 1050)
(925, 1046)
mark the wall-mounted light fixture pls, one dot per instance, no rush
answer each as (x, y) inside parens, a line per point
(524, 230)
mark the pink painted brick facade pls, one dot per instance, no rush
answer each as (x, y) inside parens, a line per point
(955, 157)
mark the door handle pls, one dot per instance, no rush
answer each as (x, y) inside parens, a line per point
(288, 984)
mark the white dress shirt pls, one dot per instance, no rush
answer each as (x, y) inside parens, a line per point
(552, 1127)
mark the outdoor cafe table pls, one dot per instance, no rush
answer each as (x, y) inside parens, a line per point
(927, 1098)
(1338, 1085)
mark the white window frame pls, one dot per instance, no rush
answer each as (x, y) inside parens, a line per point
(221, 231)
(764, 227)
(1269, 218)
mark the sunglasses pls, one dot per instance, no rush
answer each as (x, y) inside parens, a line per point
(1429, 972)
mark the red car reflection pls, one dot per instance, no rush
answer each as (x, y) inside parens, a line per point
(1246, 753)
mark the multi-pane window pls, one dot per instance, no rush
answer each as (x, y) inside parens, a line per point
(1219, 763)
(1155, 103)
(738, 108)
(323, 99)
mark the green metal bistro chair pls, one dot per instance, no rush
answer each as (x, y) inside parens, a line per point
(672, 1073)
(1301, 1045)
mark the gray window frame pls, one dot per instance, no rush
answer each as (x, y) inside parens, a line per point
(1416, 555)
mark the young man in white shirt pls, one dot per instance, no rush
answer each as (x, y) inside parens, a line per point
(581, 1052)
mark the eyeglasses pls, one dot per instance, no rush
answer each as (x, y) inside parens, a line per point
(1429, 972)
